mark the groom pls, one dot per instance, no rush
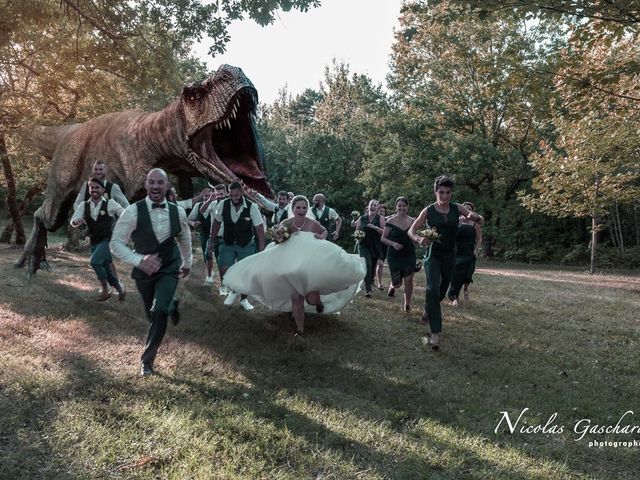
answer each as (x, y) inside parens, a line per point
(162, 243)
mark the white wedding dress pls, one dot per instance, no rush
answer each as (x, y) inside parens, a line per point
(302, 264)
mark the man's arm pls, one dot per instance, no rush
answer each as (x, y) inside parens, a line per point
(118, 196)
(184, 242)
(338, 219)
(256, 221)
(77, 218)
(185, 204)
(118, 245)
(80, 197)
(193, 216)
(114, 209)
(268, 204)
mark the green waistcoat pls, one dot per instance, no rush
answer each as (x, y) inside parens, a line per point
(146, 243)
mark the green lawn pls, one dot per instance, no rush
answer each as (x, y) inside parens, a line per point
(360, 397)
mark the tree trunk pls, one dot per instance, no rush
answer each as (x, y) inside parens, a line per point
(636, 223)
(5, 237)
(611, 226)
(594, 243)
(620, 238)
(12, 205)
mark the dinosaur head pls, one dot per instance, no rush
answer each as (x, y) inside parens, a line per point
(221, 132)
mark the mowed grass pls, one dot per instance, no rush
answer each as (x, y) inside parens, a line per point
(361, 397)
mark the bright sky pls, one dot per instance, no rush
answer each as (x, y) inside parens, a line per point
(296, 48)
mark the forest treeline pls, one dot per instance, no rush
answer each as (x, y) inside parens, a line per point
(532, 109)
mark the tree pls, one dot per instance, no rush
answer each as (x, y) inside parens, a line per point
(596, 167)
(473, 84)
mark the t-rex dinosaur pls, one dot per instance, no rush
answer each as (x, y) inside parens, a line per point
(209, 131)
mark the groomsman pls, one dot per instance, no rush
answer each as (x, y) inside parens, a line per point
(240, 218)
(326, 216)
(187, 204)
(209, 209)
(111, 190)
(162, 254)
(98, 215)
(280, 208)
(200, 219)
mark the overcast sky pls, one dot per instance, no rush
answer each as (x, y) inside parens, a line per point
(295, 49)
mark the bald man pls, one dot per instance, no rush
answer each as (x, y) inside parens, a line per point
(326, 216)
(162, 254)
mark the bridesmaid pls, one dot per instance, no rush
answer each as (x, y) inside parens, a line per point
(369, 247)
(382, 212)
(468, 241)
(401, 255)
(440, 259)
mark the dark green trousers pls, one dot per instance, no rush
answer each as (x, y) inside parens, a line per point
(101, 261)
(157, 295)
(439, 270)
(370, 256)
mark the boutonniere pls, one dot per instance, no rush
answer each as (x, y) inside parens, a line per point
(102, 212)
(246, 219)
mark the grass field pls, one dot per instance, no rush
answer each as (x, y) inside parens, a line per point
(360, 397)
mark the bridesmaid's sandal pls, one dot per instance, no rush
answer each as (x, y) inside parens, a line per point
(391, 292)
(298, 334)
(424, 319)
(320, 307)
(407, 309)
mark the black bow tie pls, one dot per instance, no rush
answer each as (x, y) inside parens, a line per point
(157, 205)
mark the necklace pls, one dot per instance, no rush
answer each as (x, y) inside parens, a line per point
(301, 226)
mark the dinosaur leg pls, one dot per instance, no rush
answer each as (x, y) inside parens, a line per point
(34, 252)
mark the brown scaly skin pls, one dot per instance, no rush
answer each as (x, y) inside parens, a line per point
(208, 132)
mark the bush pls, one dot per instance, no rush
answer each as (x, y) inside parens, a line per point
(579, 255)
(612, 257)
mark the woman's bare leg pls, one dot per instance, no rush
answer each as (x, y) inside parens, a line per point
(313, 298)
(408, 291)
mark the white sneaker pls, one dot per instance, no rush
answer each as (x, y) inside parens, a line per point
(223, 290)
(208, 281)
(231, 298)
(244, 303)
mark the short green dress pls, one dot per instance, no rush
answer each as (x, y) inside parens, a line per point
(402, 263)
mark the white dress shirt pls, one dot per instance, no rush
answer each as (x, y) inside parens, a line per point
(186, 204)
(161, 225)
(254, 212)
(113, 209)
(320, 211)
(116, 194)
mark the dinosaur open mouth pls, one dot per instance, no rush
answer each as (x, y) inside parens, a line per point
(230, 146)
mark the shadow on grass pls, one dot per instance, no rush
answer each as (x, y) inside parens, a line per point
(348, 364)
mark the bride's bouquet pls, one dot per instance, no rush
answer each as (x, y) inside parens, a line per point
(279, 233)
(358, 235)
(429, 233)
(355, 214)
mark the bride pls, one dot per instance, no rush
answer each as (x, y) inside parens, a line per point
(304, 268)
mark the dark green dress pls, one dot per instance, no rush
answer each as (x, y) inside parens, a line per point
(402, 263)
(438, 265)
(369, 247)
(465, 259)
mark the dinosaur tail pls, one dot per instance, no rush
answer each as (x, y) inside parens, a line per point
(47, 139)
